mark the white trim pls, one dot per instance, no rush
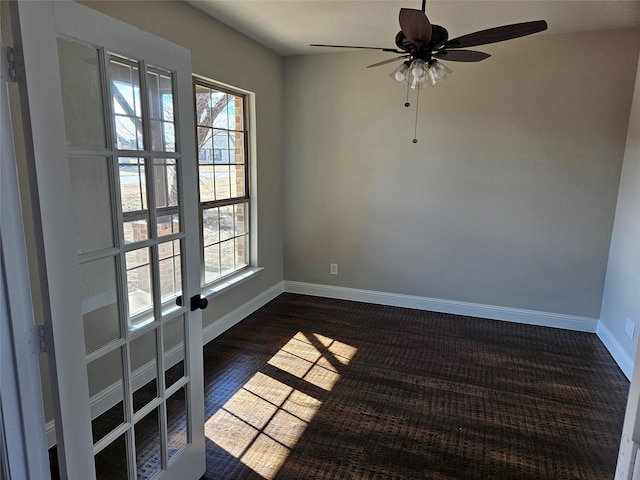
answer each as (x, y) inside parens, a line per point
(242, 276)
(615, 349)
(232, 318)
(517, 315)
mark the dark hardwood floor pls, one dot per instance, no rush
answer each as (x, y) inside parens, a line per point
(312, 388)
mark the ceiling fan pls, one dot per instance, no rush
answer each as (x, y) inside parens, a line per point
(422, 44)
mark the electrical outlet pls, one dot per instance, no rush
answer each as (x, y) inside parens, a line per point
(630, 327)
(333, 268)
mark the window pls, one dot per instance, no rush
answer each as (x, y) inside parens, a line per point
(223, 172)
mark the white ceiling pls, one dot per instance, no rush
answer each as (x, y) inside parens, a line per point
(289, 26)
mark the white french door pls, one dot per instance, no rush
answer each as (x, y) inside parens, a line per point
(114, 178)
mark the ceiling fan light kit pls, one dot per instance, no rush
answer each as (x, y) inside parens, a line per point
(421, 45)
(419, 74)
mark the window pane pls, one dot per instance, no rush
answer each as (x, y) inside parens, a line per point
(227, 254)
(240, 218)
(223, 188)
(235, 112)
(205, 145)
(218, 110)
(236, 147)
(223, 173)
(236, 175)
(242, 252)
(211, 226)
(226, 222)
(220, 146)
(207, 183)
(203, 105)
(211, 262)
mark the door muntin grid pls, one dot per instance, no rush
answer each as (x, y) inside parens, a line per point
(132, 269)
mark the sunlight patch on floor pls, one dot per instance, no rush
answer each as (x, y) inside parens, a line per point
(264, 419)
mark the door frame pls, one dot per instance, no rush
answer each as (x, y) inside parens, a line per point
(21, 409)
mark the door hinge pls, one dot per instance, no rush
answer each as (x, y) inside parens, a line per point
(15, 64)
(43, 339)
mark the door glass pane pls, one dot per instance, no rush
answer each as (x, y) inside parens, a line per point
(127, 109)
(133, 197)
(99, 303)
(106, 392)
(139, 287)
(173, 344)
(111, 462)
(166, 193)
(144, 369)
(133, 184)
(170, 268)
(160, 88)
(81, 95)
(176, 421)
(166, 182)
(147, 433)
(91, 203)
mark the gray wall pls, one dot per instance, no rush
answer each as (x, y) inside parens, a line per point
(222, 54)
(507, 200)
(621, 299)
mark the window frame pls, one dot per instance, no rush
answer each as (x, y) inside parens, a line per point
(236, 275)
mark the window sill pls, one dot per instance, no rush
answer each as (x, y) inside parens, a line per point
(216, 289)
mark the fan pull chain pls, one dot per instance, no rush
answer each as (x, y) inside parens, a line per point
(415, 127)
(407, 104)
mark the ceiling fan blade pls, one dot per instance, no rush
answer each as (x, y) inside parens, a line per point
(461, 56)
(394, 50)
(497, 34)
(415, 25)
(390, 60)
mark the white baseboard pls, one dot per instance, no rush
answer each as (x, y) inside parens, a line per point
(229, 320)
(617, 352)
(531, 317)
